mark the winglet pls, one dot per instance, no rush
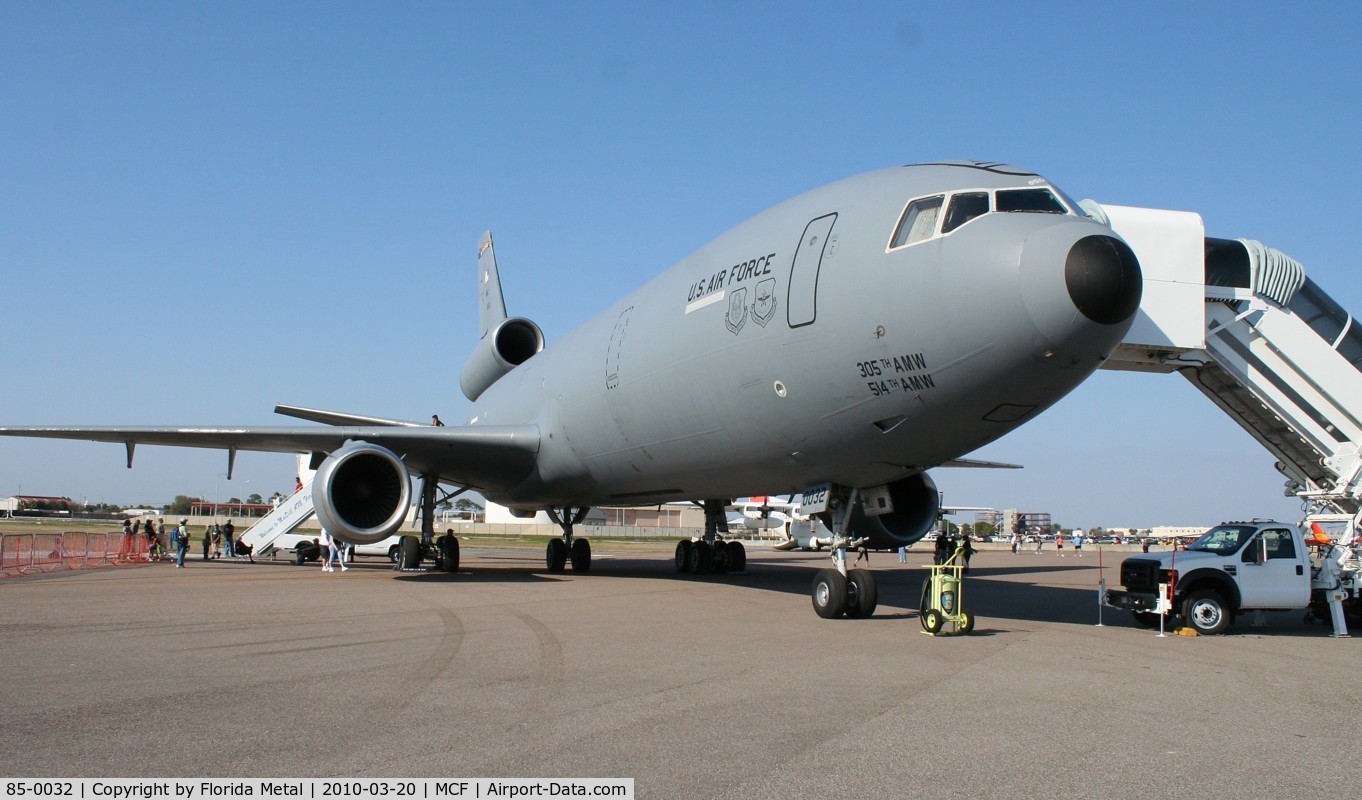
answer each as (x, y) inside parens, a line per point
(491, 304)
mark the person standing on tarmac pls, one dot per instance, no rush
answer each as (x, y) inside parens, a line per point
(227, 539)
(332, 552)
(942, 552)
(181, 543)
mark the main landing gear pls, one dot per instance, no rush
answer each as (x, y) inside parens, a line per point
(568, 548)
(711, 553)
(838, 591)
(443, 551)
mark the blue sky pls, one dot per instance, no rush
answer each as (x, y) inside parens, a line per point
(210, 208)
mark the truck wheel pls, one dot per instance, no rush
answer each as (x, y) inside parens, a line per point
(1205, 611)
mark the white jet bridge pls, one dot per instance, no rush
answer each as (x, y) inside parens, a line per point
(1244, 324)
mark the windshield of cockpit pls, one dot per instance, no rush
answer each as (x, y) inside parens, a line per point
(922, 218)
(1223, 540)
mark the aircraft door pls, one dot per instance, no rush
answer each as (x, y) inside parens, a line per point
(801, 306)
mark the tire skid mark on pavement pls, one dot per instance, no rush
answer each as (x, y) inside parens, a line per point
(551, 659)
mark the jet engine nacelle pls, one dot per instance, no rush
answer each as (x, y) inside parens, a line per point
(505, 347)
(361, 493)
(917, 506)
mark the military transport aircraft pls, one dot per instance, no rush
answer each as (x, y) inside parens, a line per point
(838, 345)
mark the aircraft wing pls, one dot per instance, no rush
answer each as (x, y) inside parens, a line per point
(970, 463)
(482, 457)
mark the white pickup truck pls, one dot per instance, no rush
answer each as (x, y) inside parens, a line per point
(1237, 567)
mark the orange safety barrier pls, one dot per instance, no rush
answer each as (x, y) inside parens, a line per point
(22, 553)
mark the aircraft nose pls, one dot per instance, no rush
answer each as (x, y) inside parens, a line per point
(1103, 278)
(1080, 284)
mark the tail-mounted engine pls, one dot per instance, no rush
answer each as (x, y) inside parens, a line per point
(506, 346)
(361, 493)
(915, 504)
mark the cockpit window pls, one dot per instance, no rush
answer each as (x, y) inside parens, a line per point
(963, 208)
(1041, 201)
(918, 221)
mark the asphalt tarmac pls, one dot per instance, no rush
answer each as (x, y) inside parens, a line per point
(712, 687)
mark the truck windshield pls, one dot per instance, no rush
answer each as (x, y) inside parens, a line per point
(1223, 540)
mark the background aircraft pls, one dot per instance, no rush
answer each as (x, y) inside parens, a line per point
(864, 380)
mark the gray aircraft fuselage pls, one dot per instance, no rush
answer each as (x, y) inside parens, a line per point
(802, 346)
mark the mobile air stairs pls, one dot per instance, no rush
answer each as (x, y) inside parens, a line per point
(293, 511)
(1244, 324)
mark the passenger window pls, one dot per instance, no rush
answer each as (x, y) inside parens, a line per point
(918, 221)
(1041, 201)
(965, 207)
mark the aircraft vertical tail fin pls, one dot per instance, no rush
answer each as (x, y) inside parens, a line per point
(491, 304)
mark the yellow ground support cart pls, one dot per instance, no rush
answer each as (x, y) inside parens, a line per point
(943, 596)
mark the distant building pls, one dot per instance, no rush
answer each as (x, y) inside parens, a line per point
(35, 504)
(206, 509)
(1004, 521)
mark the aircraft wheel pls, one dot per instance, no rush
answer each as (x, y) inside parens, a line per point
(862, 593)
(699, 558)
(719, 561)
(932, 620)
(683, 555)
(556, 555)
(449, 553)
(581, 555)
(737, 557)
(966, 622)
(829, 593)
(408, 553)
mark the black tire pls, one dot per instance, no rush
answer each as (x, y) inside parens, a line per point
(698, 562)
(683, 555)
(581, 555)
(926, 598)
(932, 620)
(862, 593)
(829, 593)
(718, 561)
(449, 553)
(1146, 619)
(409, 553)
(392, 554)
(555, 555)
(1206, 613)
(966, 622)
(737, 557)
(298, 559)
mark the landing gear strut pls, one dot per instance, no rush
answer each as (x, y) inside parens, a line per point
(839, 591)
(711, 553)
(568, 548)
(444, 551)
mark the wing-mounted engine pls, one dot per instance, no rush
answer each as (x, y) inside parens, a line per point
(507, 345)
(361, 493)
(915, 507)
